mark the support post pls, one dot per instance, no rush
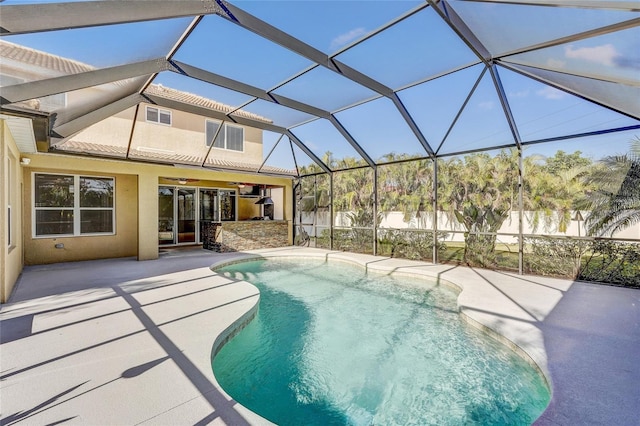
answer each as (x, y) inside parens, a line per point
(375, 211)
(331, 211)
(520, 213)
(434, 202)
(147, 216)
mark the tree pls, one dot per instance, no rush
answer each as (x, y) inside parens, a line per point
(615, 204)
(406, 186)
(480, 192)
(562, 162)
(554, 188)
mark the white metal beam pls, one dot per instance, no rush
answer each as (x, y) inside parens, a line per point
(78, 124)
(630, 6)
(68, 83)
(30, 18)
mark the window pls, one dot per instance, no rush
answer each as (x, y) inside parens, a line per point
(160, 116)
(235, 138)
(229, 137)
(61, 210)
(211, 132)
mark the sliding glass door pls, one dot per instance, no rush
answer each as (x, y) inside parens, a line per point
(176, 215)
(181, 211)
(186, 215)
(209, 211)
(166, 215)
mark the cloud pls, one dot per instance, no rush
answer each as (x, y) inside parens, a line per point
(519, 94)
(604, 55)
(551, 93)
(346, 38)
(556, 63)
(487, 105)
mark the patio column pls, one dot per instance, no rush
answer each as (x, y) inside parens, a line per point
(288, 213)
(147, 217)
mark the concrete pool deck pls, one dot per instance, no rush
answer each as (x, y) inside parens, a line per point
(122, 342)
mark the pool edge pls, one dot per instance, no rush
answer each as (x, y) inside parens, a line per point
(534, 355)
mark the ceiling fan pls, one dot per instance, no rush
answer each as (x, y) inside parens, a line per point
(181, 181)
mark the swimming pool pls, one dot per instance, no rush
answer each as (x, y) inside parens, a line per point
(333, 345)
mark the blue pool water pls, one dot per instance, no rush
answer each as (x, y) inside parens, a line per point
(331, 345)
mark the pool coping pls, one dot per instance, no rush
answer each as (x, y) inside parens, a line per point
(583, 337)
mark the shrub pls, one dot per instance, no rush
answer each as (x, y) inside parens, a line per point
(612, 262)
(408, 244)
(599, 260)
(554, 256)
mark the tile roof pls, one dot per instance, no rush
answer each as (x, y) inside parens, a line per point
(197, 100)
(65, 66)
(41, 59)
(57, 65)
(112, 151)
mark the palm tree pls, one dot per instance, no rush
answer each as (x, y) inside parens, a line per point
(353, 200)
(615, 205)
(553, 195)
(479, 191)
(406, 187)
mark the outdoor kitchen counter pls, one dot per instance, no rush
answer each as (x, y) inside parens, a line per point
(246, 235)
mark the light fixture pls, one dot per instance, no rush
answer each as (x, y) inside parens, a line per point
(25, 161)
(182, 181)
(265, 200)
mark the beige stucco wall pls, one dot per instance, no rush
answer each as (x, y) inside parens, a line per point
(123, 243)
(147, 235)
(187, 135)
(247, 208)
(136, 205)
(114, 131)
(11, 262)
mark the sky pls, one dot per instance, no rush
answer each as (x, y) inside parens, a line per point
(414, 58)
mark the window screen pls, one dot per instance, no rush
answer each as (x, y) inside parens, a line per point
(235, 138)
(73, 205)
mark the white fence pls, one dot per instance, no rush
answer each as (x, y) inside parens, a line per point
(425, 221)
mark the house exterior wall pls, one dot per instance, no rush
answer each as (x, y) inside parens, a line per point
(41, 250)
(247, 208)
(187, 133)
(136, 205)
(125, 134)
(114, 131)
(147, 220)
(11, 241)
